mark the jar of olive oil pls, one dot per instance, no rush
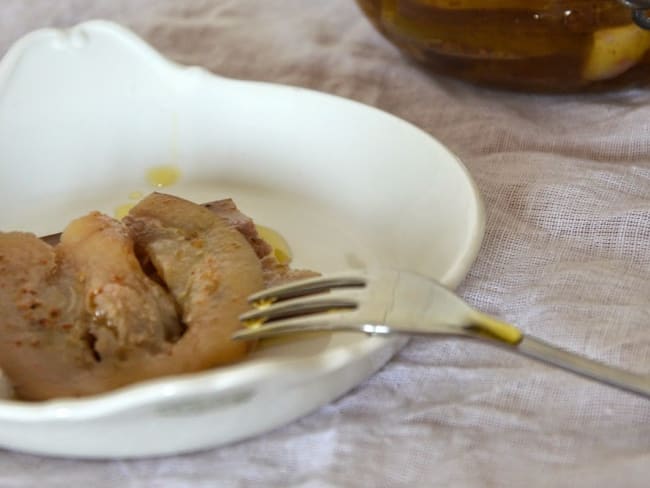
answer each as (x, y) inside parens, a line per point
(541, 45)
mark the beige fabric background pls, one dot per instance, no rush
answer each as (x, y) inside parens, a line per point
(566, 183)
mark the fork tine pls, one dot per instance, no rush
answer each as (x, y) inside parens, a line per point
(300, 306)
(307, 286)
(310, 323)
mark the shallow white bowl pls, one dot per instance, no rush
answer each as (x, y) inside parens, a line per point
(85, 112)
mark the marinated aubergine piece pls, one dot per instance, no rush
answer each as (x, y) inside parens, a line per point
(209, 269)
(84, 317)
(127, 309)
(39, 304)
(264, 241)
(227, 210)
(80, 318)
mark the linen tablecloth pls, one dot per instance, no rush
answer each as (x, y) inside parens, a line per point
(566, 256)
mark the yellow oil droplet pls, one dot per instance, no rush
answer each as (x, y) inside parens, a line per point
(280, 246)
(264, 304)
(162, 176)
(123, 210)
(135, 195)
(254, 324)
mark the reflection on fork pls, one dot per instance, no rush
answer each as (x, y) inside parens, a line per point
(385, 301)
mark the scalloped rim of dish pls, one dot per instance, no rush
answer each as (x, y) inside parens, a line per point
(220, 380)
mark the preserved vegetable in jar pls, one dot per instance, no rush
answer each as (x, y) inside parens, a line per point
(548, 45)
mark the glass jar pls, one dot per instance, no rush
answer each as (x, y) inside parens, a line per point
(547, 45)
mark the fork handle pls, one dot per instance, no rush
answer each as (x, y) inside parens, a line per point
(496, 332)
(547, 353)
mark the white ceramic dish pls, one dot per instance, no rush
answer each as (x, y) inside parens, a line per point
(85, 112)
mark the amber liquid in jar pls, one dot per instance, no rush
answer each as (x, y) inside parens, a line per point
(543, 45)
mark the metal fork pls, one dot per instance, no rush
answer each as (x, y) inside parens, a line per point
(385, 302)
